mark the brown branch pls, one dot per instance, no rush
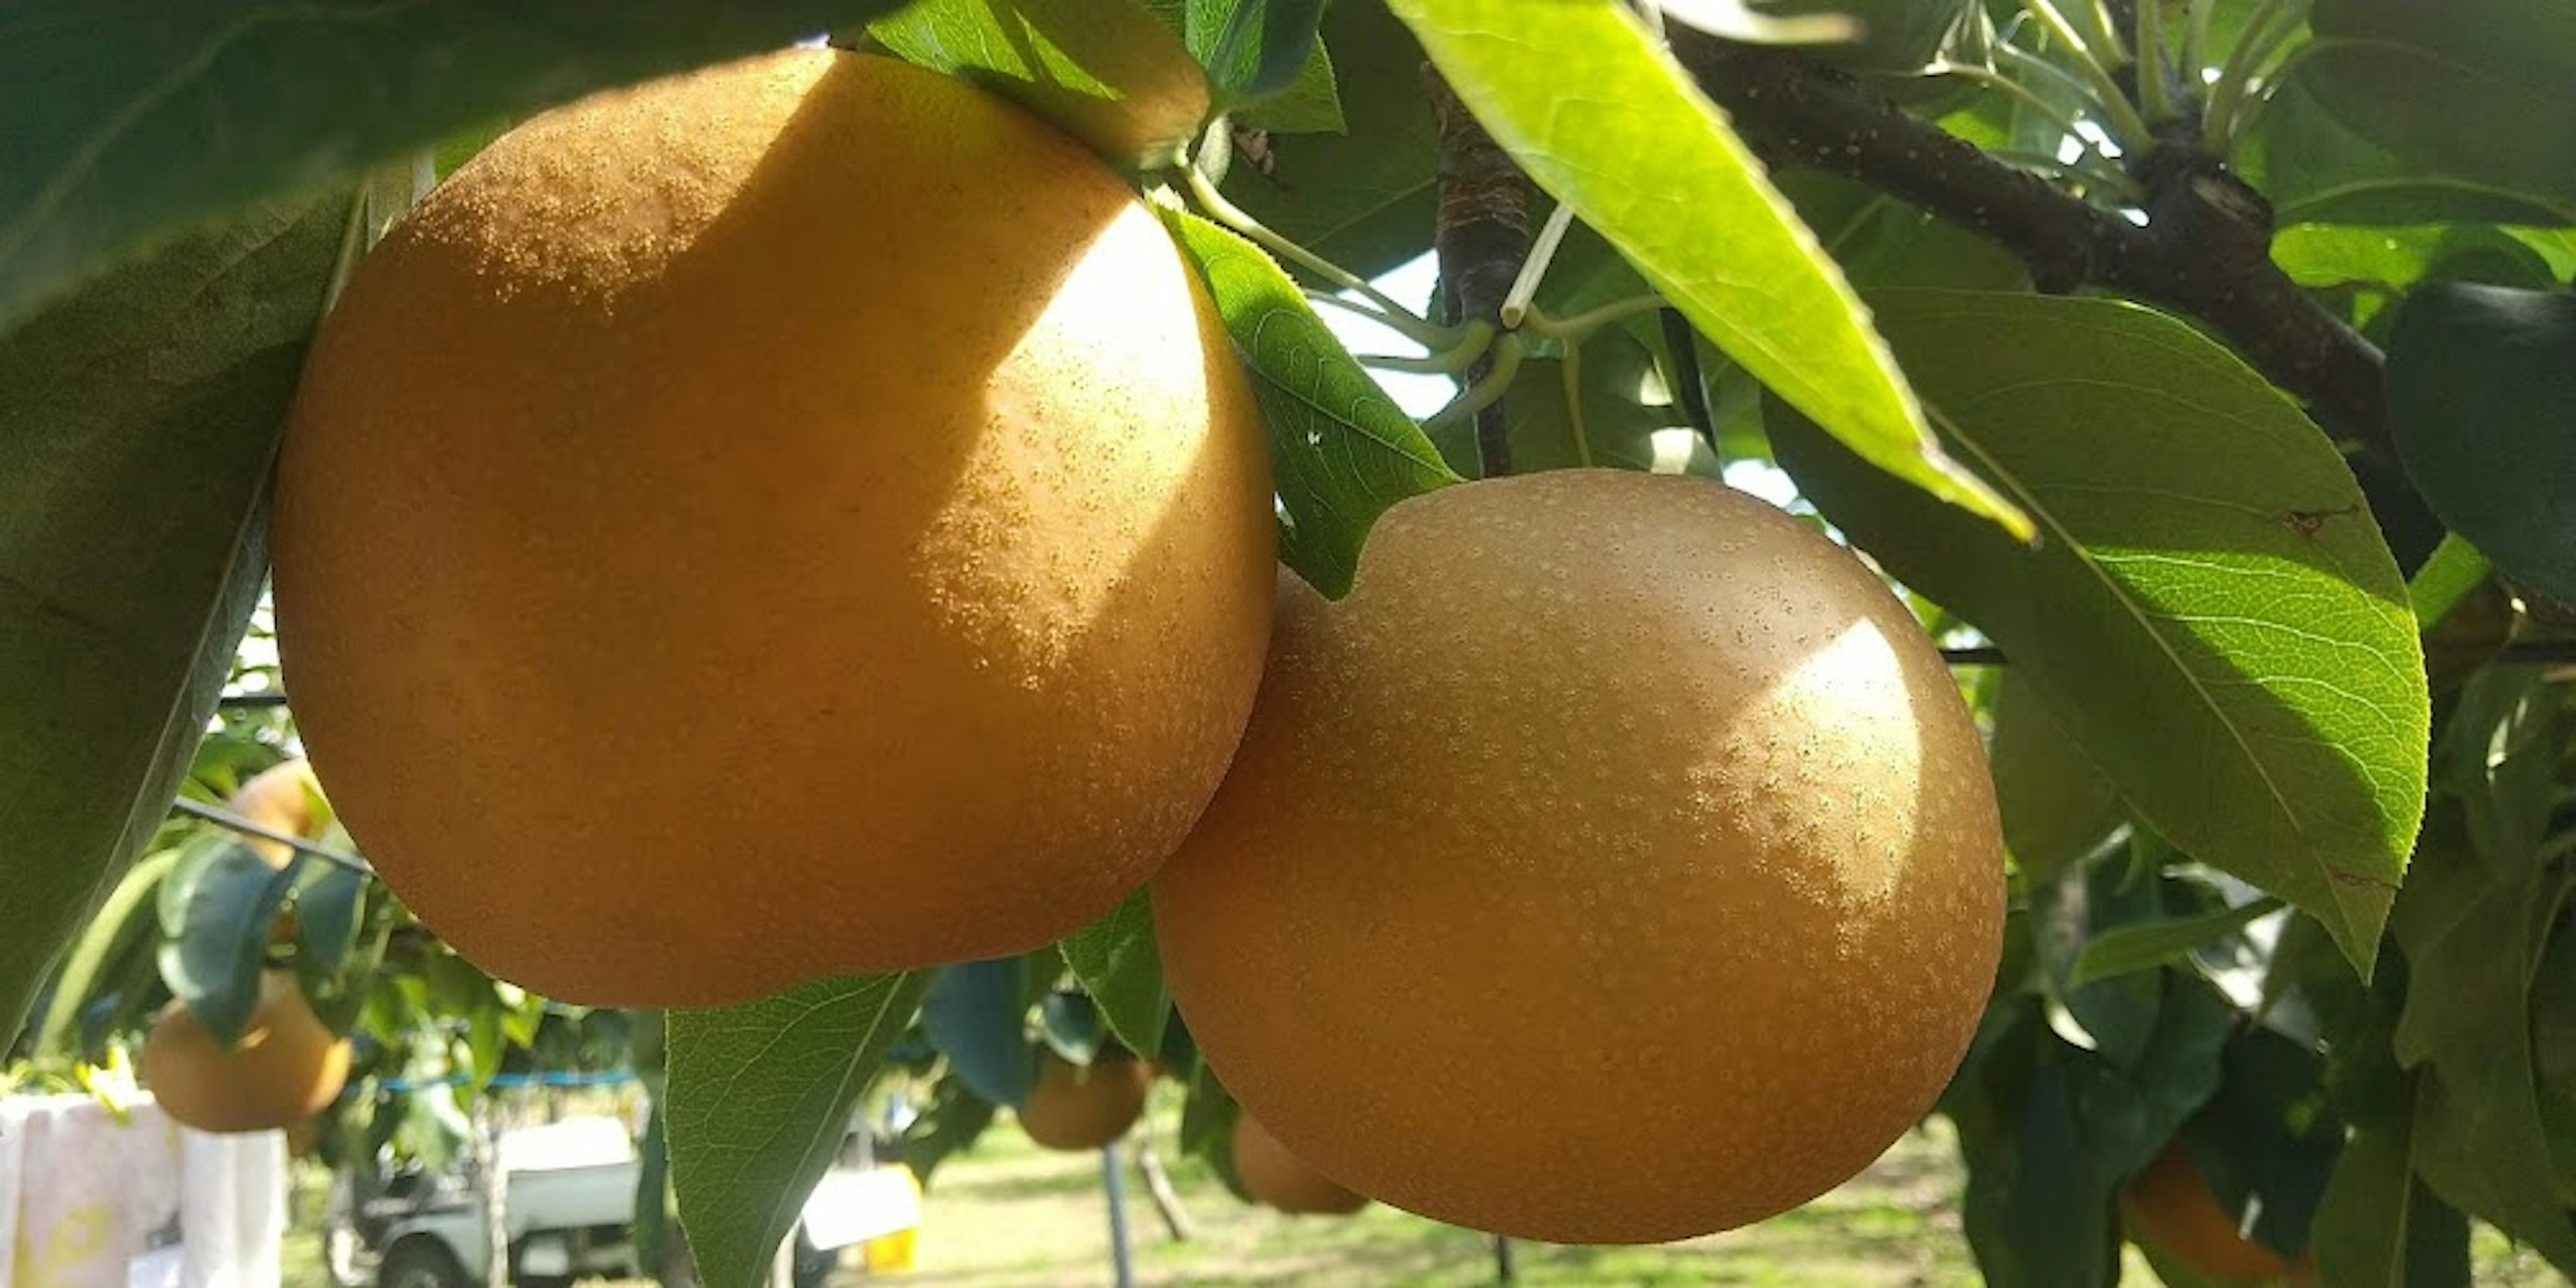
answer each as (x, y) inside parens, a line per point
(2204, 250)
(1480, 239)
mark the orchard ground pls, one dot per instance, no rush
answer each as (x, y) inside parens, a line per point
(1011, 1215)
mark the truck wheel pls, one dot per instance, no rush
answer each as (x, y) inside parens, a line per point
(421, 1263)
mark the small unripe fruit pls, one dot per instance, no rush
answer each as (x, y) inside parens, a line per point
(1617, 863)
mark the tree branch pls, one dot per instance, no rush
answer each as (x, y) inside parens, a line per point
(1481, 237)
(2204, 250)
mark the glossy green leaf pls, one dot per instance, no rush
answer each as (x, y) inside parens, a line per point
(126, 124)
(2315, 169)
(1599, 114)
(216, 909)
(1121, 967)
(2211, 612)
(2380, 1227)
(1107, 72)
(2057, 806)
(139, 417)
(2394, 258)
(2481, 87)
(1363, 197)
(2147, 945)
(1341, 451)
(1252, 48)
(977, 1015)
(327, 901)
(2482, 396)
(759, 1098)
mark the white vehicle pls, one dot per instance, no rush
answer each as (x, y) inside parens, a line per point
(568, 1214)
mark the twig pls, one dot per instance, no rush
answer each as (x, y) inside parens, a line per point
(232, 822)
(2204, 250)
(1481, 239)
(1158, 1185)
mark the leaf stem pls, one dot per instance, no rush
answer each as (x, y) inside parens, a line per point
(2023, 94)
(2155, 100)
(1484, 393)
(1473, 340)
(1570, 370)
(2195, 40)
(2119, 116)
(1573, 331)
(1534, 268)
(1414, 327)
(2271, 23)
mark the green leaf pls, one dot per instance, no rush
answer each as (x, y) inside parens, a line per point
(2455, 570)
(2149, 944)
(124, 923)
(2484, 88)
(1341, 451)
(2380, 1227)
(2057, 807)
(127, 124)
(1252, 48)
(759, 1098)
(140, 417)
(2037, 1207)
(1119, 964)
(1894, 35)
(1361, 198)
(977, 1015)
(952, 1122)
(327, 897)
(2315, 169)
(1641, 156)
(2211, 612)
(2116, 1019)
(216, 909)
(1107, 72)
(2268, 1139)
(2395, 258)
(2482, 396)
(2474, 925)
(1310, 103)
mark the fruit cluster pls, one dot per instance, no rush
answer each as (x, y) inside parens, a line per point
(807, 517)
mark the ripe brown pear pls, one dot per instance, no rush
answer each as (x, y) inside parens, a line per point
(1274, 1177)
(1616, 863)
(799, 518)
(1085, 1106)
(286, 1068)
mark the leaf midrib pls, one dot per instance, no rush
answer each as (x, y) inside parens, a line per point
(2046, 516)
